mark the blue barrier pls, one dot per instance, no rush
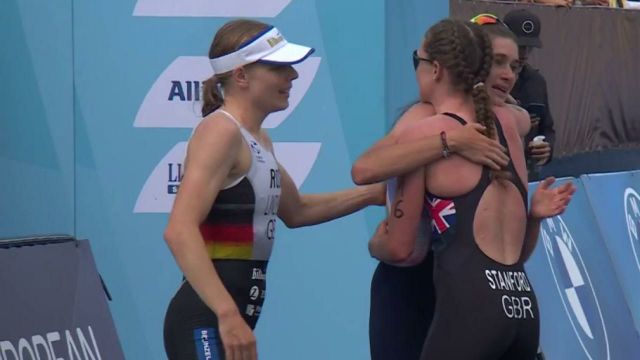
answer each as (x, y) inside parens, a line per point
(53, 305)
(615, 200)
(583, 309)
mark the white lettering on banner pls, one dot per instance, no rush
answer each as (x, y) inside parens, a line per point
(173, 101)
(7, 347)
(210, 8)
(41, 349)
(86, 349)
(23, 345)
(51, 338)
(632, 215)
(157, 194)
(38, 340)
(71, 345)
(163, 107)
(575, 288)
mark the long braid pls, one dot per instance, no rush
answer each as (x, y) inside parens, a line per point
(451, 43)
(481, 100)
(459, 63)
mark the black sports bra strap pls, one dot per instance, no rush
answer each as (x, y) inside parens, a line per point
(456, 117)
(501, 138)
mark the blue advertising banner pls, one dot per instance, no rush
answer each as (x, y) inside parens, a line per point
(583, 310)
(139, 68)
(36, 121)
(100, 101)
(615, 201)
(53, 306)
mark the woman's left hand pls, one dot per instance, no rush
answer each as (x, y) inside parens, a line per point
(547, 202)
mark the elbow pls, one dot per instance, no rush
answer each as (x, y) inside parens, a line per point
(399, 254)
(361, 175)
(292, 222)
(172, 236)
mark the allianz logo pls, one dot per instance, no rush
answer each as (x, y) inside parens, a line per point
(173, 101)
(575, 288)
(174, 98)
(632, 215)
(210, 8)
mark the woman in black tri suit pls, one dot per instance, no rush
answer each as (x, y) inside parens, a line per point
(222, 225)
(485, 306)
(398, 283)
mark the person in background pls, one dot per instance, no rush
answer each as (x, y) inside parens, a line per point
(530, 91)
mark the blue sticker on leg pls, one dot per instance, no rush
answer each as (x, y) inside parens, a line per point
(206, 341)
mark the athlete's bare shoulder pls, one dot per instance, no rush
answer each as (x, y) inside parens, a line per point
(431, 125)
(416, 113)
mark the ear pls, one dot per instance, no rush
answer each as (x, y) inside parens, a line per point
(240, 76)
(438, 71)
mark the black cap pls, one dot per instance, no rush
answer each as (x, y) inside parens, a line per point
(526, 26)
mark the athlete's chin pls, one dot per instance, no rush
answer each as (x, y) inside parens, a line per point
(281, 106)
(497, 97)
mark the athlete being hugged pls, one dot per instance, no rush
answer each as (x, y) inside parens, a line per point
(481, 231)
(221, 227)
(399, 280)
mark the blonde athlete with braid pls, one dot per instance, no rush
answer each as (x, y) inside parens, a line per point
(481, 232)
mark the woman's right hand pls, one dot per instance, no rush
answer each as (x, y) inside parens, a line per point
(469, 142)
(237, 337)
(378, 236)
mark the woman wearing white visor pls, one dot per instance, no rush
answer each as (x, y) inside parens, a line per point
(221, 228)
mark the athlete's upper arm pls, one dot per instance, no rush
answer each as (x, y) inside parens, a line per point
(211, 154)
(416, 112)
(522, 119)
(406, 210)
(290, 200)
(432, 125)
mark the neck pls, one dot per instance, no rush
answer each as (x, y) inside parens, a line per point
(456, 102)
(248, 116)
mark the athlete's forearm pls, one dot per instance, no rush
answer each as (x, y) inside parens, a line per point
(190, 253)
(383, 162)
(381, 249)
(319, 208)
(530, 237)
(393, 252)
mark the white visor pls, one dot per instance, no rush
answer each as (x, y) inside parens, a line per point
(267, 47)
